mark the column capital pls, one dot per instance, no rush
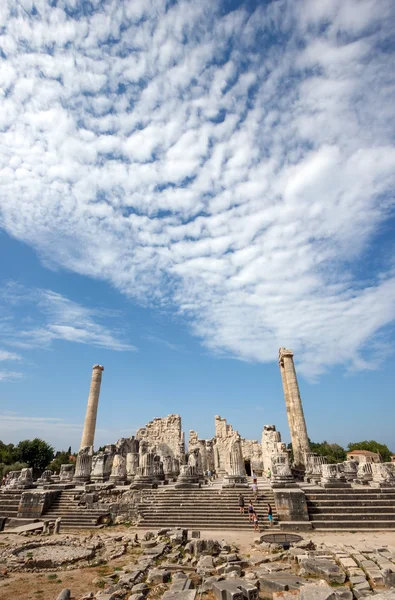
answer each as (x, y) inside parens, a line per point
(284, 352)
(100, 367)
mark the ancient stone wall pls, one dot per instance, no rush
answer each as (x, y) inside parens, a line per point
(271, 444)
(252, 451)
(163, 435)
(225, 435)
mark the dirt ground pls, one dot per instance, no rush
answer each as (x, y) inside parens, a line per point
(47, 585)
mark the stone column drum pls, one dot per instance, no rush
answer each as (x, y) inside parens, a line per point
(293, 402)
(88, 435)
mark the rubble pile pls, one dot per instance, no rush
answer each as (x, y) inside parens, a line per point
(168, 565)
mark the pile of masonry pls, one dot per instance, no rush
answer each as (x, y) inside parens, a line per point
(173, 567)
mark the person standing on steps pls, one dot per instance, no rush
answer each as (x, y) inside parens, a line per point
(270, 515)
(255, 491)
(250, 511)
(255, 521)
(241, 504)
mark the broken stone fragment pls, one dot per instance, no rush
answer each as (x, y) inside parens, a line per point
(324, 568)
(64, 595)
(207, 584)
(156, 576)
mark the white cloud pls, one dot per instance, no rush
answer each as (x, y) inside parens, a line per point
(49, 316)
(5, 355)
(10, 375)
(237, 166)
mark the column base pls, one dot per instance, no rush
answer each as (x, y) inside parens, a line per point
(335, 483)
(235, 481)
(142, 482)
(81, 479)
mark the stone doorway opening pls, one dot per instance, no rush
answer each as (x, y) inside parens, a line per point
(247, 466)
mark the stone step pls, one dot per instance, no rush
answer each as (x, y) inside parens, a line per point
(313, 510)
(202, 502)
(351, 525)
(213, 519)
(347, 517)
(352, 492)
(204, 525)
(199, 513)
(202, 512)
(350, 503)
(79, 513)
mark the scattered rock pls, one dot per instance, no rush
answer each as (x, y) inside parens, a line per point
(327, 569)
(64, 595)
(156, 576)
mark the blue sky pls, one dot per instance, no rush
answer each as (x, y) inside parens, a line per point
(185, 187)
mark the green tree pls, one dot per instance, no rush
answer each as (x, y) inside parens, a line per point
(16, 466)
(372, 446)
(332, 452)
(36, 453)
(8, 453)
(63, 457)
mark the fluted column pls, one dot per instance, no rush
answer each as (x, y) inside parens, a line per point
(88, 435)
(296, 420)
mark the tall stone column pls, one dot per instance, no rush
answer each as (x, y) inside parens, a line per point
(88, 435)
(293, 402)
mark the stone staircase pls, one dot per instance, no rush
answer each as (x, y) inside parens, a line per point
(9, 502)
(72, 514)
(204, 508)
(351, 508)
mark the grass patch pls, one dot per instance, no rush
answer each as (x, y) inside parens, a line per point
(104, 570)
(52, 576)
(101, 584)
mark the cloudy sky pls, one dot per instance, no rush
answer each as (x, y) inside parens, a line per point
(185, 186)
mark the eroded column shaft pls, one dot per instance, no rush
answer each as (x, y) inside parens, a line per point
(88, 435)
(296, 420)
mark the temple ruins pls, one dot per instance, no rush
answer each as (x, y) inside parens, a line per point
(157, 459)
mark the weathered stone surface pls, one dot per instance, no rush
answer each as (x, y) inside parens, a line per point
(156, 576)
(291, 505)
(148, 543)
(231, 557)
(207, 584)
(226, 590)
(343, 593)
(64, 595)
(139, 588)
(317, 591)
(128, 579)
(212, 547)
(387, 595)
(389, 577)
(163, 434)
(206, 562)
(232, 567)
(324, 568)
(357, 579)
(293, 403)
(280, 582)
(347, 562)
(184, 595)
